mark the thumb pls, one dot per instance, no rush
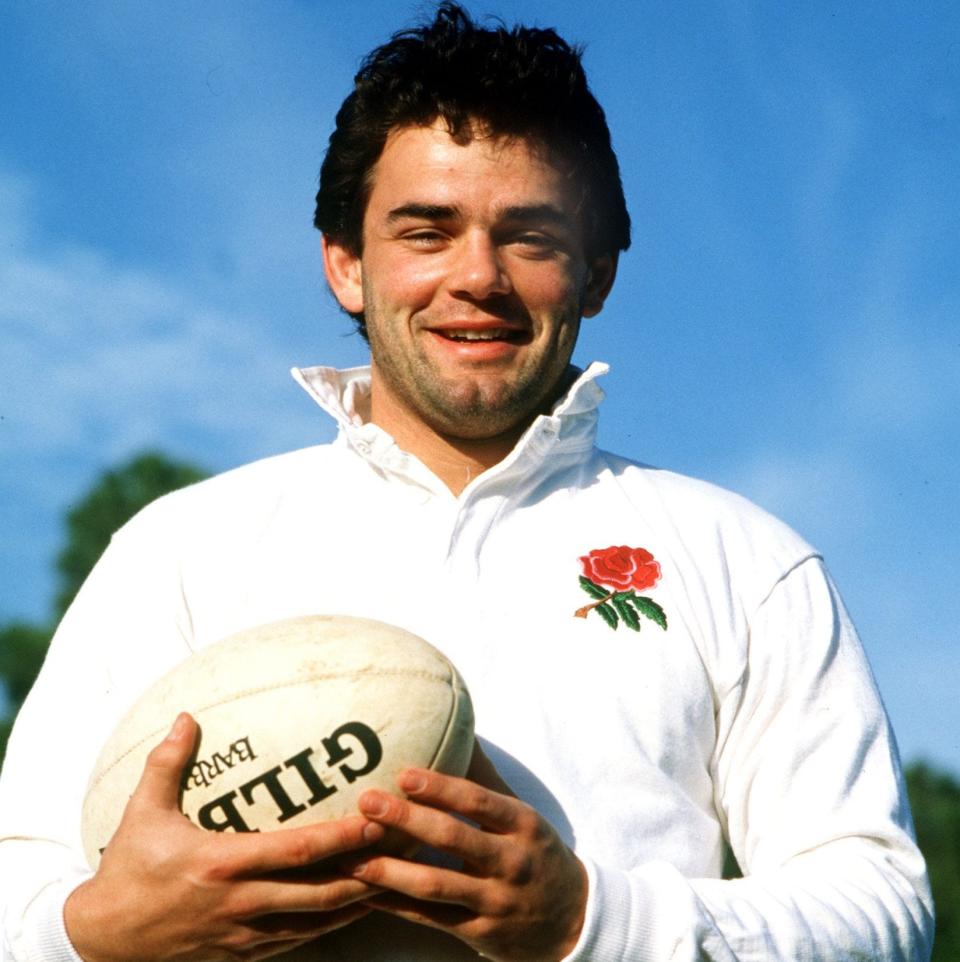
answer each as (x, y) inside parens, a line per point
(160, 783)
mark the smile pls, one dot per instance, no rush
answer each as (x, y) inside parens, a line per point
(473, 335)
(496, 334)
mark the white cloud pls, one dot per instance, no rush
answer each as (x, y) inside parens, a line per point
(100, 360)
(896, 365)
(15, 198)
(96, 354)
(825, 493)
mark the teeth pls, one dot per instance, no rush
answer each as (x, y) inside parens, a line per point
(490, 335)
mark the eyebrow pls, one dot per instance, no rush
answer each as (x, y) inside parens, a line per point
(539, 213)
(422, 212)
(525, 213)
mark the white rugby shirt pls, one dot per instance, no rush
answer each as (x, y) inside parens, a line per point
(752, 716)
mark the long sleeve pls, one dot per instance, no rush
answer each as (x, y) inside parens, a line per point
(808, 785)
(126, 625)
(754, 716)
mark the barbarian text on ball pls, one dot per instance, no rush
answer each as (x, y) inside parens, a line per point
(352, 750)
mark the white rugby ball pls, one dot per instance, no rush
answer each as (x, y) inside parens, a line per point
(297, 718)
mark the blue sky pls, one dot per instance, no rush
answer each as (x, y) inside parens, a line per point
(786, 324)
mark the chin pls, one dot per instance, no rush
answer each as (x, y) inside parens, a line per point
(492, 408)
(482, 425)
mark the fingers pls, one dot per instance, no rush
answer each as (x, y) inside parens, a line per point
(521, 893)
(164, 882)
(291, 848)
(241, 854)
(302, 927)
(160, 783)
(438, 915)
(427, 884)
(428, 826)
(495, 811)
(266, 937)
(263, 900)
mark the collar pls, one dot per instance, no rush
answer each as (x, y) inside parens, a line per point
(553, 439)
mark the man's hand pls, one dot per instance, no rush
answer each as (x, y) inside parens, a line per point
(167, 891)
(521, 893)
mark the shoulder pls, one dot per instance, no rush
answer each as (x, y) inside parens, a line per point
(708, 524)
(242, 497)
(697, 503)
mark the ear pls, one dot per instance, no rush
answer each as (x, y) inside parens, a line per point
(344, 275)
(601, 273)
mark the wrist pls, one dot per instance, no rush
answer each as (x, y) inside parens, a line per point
(576, 915)
(82, 922)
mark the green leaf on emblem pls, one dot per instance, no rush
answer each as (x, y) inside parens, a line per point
(608, 615)
(595, 591)
(650, 609)
(622, 603)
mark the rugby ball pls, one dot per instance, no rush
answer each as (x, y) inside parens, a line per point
(297, 718)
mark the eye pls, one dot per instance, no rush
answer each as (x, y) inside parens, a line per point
(536, 243)
(425, 238)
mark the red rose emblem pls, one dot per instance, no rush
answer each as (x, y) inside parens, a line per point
(621, 567)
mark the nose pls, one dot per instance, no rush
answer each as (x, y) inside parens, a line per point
(478, 271)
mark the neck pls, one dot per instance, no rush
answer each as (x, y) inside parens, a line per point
(455, 461)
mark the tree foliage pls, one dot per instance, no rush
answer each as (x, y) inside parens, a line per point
(22, 648)
(935, 800)
(115, 498)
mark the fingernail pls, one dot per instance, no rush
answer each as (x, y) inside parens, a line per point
(179, 727)
(373, 832)
(412, 782)
(371, 804)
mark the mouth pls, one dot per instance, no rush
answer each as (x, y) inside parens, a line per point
(472, 335)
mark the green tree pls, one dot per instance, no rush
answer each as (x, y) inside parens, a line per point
(935, 800)
(22, 648)
(115, 498)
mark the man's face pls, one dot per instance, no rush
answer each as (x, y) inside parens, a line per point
(472, 282)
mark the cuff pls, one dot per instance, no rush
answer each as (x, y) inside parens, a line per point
(43, 934)
(649, 914)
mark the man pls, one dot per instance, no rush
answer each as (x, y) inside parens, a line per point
(659, 669)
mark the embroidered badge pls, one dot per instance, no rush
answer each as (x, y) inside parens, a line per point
(612, 577)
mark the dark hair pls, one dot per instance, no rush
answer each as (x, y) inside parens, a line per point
(525, 82)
